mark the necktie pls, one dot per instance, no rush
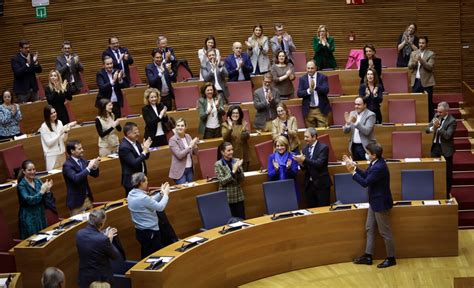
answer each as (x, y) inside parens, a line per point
(117, 55)
(311, 151)
(438, 136)
(312, 83)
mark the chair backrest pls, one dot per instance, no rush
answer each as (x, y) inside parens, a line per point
(70, 113)
(299, 61)
(417, 184)
(402, 111)
(125, 110)
(325, 139)
(214, 209)
(182, 74)
(207, 158)
(335, 88)
(51, 217)
(6, 238)
(186, 97)
(395, 82)
(338, 110)
(11, 158)
(296, 84)
(297, 112)
(353, 60)
(134, 76)
(388, 56)
(348, 191)
(280, 196)
(41, 93)
(240, 91)
(85, 87)
(406, 144)
(263, 150)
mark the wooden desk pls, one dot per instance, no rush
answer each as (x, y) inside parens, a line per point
(274, 247)
(16, 281)
(61, 251)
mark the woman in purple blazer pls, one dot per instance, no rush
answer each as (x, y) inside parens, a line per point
(182, 149)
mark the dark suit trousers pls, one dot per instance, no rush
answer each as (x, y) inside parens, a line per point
(358, 152)
(436, 152)
(316, 196)
(418, 88)
(150, 241)
(116, 110)
(237, 209)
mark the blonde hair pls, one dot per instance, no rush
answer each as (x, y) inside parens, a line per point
(146, 95)
(325, 29)
(282, 140)
(181, 120)
(283, 105)
(57, 86)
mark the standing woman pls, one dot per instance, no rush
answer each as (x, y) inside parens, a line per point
(407, 43)
(209, 44)
(372, 90)
(214, 71)
(257, 48)
(236, 131)
(287, 126)
(106, 124)
(10, 116)
(211, 109)
(31, 195)
(182, 149)
(283, 75)
(230, 174)
(154, 115)
(281, 164)
(323, 46)
(53, 136)
(370, 61)
(58, 93)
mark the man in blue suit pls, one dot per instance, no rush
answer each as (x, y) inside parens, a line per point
(121, 58)
(238, 65)
(110, 83)
(75, 171)
(313, 88)
(377, 179)
(159, 75)
(25, 66)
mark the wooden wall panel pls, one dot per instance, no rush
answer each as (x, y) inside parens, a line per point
(467, 40)
(88, 24)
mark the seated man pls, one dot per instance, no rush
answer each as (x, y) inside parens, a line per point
(238, 65)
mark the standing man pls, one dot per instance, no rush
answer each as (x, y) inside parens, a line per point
(377, 180)
(25, 66)
(110, 82)
(421, 64)
(167, 53)
(159, 75)
(75, 171)
(69, 66)
(360, 123)
(314, 160)
(282, 41)
(265, 100)
(238, 65)
(313, 88)
(132, 154)
(443, 127)
(121, 58)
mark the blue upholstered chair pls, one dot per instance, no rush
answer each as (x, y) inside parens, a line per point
(214, 209)
(348, 191)
(417, 185)
(280, 196)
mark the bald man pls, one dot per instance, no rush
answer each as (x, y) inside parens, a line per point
(238, 64)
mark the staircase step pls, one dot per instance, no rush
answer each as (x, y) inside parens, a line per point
(466, 218)
(463, 161)
(463, 178)
(461, 130)
(462, 143)
(455, 112)
(453, 99)
(464, 195)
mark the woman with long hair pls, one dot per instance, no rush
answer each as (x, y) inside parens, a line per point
(58, 92)
(372, 91)
(257, 48)
(283, 75)
(237, 131)
(407, 43)
(211, 109)
(370, 61)
(286, 125)
(10, 116)
(154, 115)
(209, 44)
(106, 124)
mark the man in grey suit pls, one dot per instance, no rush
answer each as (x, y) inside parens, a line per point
(443, 127)
(265, 100)
(282, 41)
(216, 73)
(360, 123)
(69, 66)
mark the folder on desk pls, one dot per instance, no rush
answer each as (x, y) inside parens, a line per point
(402, 203)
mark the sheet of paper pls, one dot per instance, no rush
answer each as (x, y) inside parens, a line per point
(80, 217)
(3, 281)
(194, 239)
(302, 211)
(239, 223)
(412, 160)
(165, 259)
(362, 205)
(409, 124)
(431, 202)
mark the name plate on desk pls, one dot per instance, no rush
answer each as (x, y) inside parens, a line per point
(300, 212)
(431, 202)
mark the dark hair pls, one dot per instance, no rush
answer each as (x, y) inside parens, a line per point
(23, 42)
(371, 47)
(221, 148)
(278, 54)
(71, 145)
(364, 99)
(102, 112)
(11, 94)
(23, 166)
(268, 75)
(67, 42)
(376, 77)
(111, 37)
(414, 24)
(154, 51)
(128, 127)
(375, 148)
(423, 37)
(47, 116)
(203, 90)
(210, 37)
(107, 58)
(259, 26)
(241, 113)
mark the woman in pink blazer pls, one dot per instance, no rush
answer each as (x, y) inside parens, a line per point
(182, 149)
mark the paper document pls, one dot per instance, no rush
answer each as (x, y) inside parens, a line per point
(194, 239)
(165, 259)
(412, 160)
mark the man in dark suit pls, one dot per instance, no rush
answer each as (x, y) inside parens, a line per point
(443, 126)
(313, 88)
(25, 66)
(121, 58)
(132, 154)
(314, 160)
(377, 180)
(265, 100)
(69, 66)
(160, 75)
(238, 65)
(110, 83)
(167, 53)
(95, 250)
(75, 171)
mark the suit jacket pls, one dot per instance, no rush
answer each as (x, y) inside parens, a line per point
(426, 69)
(173, 61)
(105, 88)
(230, 182)
(131, 162)
(446, 132)
(179, 155)
(373, 101)
(365, 126)
(77, 184)
(282, 173)
(322, 87)
(151, 120)
(289, 47)
(231, 66)
(154, 79)
(265, 111)
(377, 179)
(316, 167)
(364, 66)
(208, 76)
(24, 77)
(109, 52)
(95, 253)
(259, 57)
(67, 71)
(202, 109)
